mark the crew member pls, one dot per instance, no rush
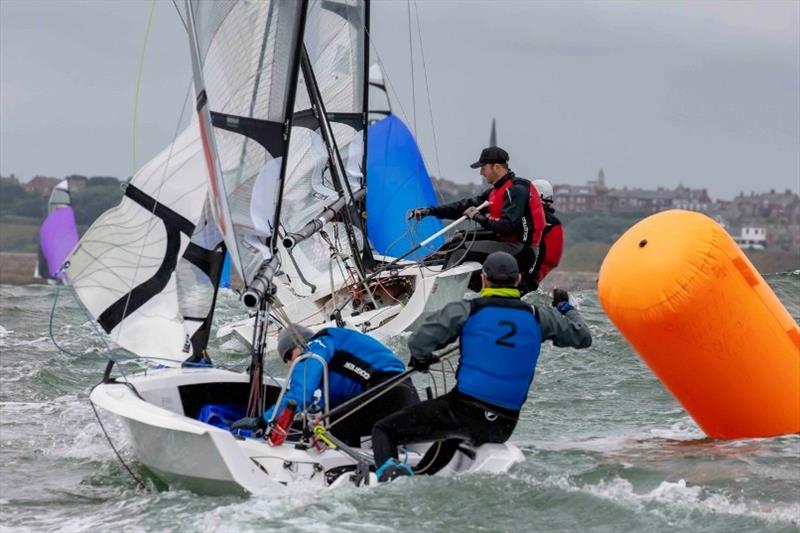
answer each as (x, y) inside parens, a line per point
(355, 361)
(552, 246)
(500, 341)
(512, 223)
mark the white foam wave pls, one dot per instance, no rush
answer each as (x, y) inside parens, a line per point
(284, 506)
(682, 430)
(66, 428)
(18, 372)
(680, 495)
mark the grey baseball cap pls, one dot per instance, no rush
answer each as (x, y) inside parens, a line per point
(288, 338)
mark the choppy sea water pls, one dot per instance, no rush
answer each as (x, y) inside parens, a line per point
(607, 449)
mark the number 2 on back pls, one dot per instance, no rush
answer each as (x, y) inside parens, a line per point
(504, 339)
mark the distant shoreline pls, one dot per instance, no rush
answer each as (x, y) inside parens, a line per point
(16, 268)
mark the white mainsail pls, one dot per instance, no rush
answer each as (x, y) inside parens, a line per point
(123, 269)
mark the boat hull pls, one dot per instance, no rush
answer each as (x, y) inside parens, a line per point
(184, 453)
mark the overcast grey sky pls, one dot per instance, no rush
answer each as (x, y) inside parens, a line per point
(656, 93)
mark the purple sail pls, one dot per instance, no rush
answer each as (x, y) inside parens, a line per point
(57, 237)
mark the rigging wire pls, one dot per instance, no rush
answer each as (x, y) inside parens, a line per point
(427, 90)
(386, 78)
(391, 88)
(180, 15)
(411, 64)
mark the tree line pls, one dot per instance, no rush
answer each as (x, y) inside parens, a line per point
(99, 194)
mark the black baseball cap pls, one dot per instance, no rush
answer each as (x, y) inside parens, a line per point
(493, 154)
(501, 267)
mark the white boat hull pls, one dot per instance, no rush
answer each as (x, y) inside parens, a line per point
(185, 453)
(433, 290)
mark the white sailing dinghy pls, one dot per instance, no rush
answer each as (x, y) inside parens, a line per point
(148, 270)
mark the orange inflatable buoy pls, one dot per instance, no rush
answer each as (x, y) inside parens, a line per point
(706, 323)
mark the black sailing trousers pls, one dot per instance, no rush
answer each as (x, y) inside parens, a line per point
(478, 251)
(359, 424)
(453, 415)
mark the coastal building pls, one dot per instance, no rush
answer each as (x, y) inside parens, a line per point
(751, 238)
(782, 208)
(596, 196)
(40, 185)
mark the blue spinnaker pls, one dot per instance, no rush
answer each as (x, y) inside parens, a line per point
(397, 182)
(225, 275)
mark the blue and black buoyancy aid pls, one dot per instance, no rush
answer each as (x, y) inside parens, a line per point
(500, 343)
(355, 361)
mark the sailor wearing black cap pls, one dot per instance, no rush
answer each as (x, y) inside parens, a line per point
(355, 362)
(514, 220)
(500, 341)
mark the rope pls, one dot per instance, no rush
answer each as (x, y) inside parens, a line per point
(116, 452)
(139, 84)
(111, 356)
(399, 379)
(50, 325)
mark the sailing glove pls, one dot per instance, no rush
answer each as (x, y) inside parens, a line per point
(561, 301)
(250, 422)
(420, 213)
(422, 364)
(474, 213)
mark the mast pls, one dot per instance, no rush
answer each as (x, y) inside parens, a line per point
(365, 109)
(219, 207)
(255, 104)
(337, 169)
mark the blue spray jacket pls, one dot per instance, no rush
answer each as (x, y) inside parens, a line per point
(355, 362)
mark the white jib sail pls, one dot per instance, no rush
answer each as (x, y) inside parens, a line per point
(123, 269)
